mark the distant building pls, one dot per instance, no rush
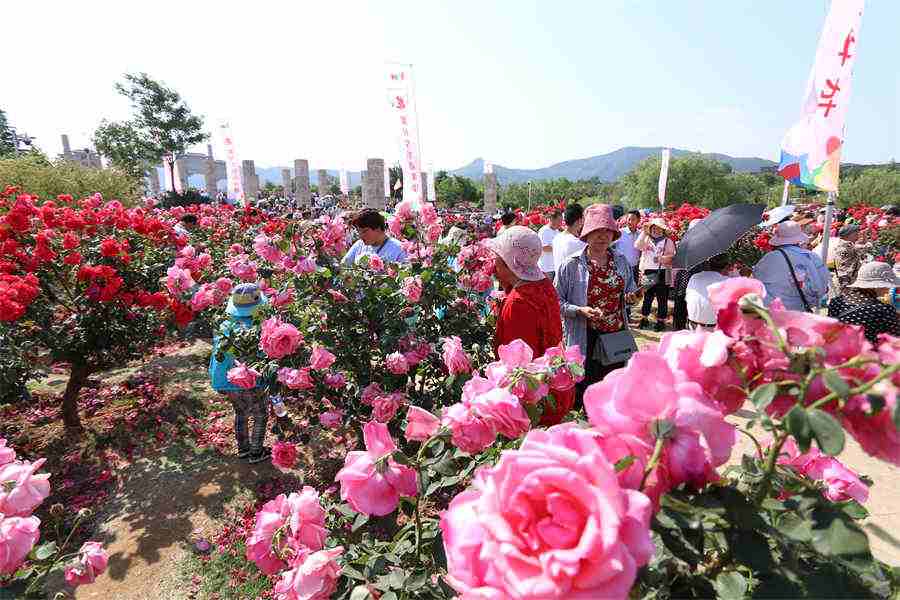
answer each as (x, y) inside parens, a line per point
(86, 157)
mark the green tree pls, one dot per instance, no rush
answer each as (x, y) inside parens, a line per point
(454, 189)
(875, 186)
(692, 178)
(7, 143)
(162, 120)
(124, 147)
(34, 174)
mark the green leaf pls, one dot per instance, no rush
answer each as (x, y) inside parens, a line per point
(359, 521)
(352, 573)
(401, 458)
(416, 581)
(840, 538)
(360, 592)
(751, 548)
(855, 510)
(763, 395)
(828, 432)
(662, 429)
(797, 423)
(624, 462)
(731, 585)
(896, 416)
(45, 551)
(796, 528)
(836, 383)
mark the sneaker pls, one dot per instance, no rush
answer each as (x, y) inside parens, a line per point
(260, 456)
(644, 324)
(243, 453)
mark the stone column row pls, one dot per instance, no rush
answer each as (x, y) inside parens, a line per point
(490, 193)
(373, 184)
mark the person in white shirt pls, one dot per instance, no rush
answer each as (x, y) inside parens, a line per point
(700, 311)
(547, 233)
(568, 243)
(625, 244)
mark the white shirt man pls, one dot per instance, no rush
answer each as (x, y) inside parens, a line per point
(565, 245)
(548, 233)
(699, 309)
(625, 244)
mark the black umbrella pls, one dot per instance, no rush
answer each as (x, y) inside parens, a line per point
(716, 233)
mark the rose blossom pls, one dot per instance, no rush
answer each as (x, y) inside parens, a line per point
(375, 262)
(515, 354)
(420, 424)
(313, 576)
(21, 490)
(503, 411)
(331, 419)
(296, 379)
(396, 363)
(841, 483)
(371, 490)
(91, 562)
(321, 359)
(470, 432)
(412, 288)
(302, 515)
(178, 280)
(242, 376)
(7, 454)
(279, 339)
(547, 521)
(369, 393)
(454, 356)
(18, 536)
(284, 455)
(385, 406)
(335, 380)
(733, 289)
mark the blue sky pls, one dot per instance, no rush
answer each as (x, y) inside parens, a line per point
(523, 84)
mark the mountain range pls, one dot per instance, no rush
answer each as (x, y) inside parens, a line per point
(607, 167)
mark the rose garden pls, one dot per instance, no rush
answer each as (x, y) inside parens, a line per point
(411, 462)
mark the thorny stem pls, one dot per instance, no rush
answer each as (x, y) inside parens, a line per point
(771, 461)
(862, 389)
(654, 460)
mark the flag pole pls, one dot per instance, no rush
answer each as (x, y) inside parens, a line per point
(785, 193)
(826, 231)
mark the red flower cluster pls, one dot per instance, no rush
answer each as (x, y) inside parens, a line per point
(16, 293)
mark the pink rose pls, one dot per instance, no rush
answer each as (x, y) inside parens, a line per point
(385, 406)
(279, 339)
(302, 518)
(841, 483)
(321, 359)
(630, 400)
(396, 363)
(374, 491)
(412, 288)
(404, 211)
(282, 298)
(369, 393)
(21, 490)
(203, 298)
(428, 214)
(455, 357)
(295, 379)
(337, 296)
(236, 249)
(470, 432)
(313, 576)
(18, 536)
(242, 376)
(284, 455)
(224, 285)
(91, 562)
(306, 264)
(733, 289)
(503, 411)
(7, 454)
(331, 419)
(420, 424)
(266, 248)
(243, 268)
(335, 381)
(550, 517)
(375, 262)
(702, 357)
(178, 281)
(515, 354)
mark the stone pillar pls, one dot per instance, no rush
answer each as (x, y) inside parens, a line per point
(301, 183)
(362, 184)
(211, 187)
(424, 184)
(67, 150)
(373, 187)
(209, 153)
(251, 183)
(181, 169)
(322, 182)
(286, 182)
(490, 193)
(154, 180)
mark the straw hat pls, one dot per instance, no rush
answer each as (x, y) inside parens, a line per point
(658, 222)
(520, 248)
(875, 275)
(599, 216)
(788, 233)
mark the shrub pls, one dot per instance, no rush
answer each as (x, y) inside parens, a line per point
(47, 179)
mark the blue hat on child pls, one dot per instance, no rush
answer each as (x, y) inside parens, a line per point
(245, 300)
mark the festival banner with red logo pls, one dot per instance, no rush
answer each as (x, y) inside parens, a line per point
(664, 175)
(403, 117)
(811, 150)
(232, 164)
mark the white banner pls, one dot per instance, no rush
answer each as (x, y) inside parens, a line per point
(432, 195)
(387, 180)
(167, 173)
(177, 182)
(664, 175)
(811, 149)
(403, 115)
(488, 167)
(344, 182)
(232, 165)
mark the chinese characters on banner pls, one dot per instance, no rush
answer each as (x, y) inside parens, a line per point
(811, 150)
(403, 116)
(664, 176)
(344, 182)
(232, 165)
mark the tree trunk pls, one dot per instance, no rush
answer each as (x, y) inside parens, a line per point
(172, 173)
(78, 375)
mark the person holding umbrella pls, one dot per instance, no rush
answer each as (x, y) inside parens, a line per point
(657, 250)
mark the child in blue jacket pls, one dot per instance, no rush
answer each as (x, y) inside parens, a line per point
(245, 300)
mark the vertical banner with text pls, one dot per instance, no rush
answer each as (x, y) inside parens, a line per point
(811, 149)
(432, 194)
(232, 164)
(406, 122)
(344, 182)
(664, 175)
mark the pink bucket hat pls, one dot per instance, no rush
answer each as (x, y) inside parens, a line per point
(520, 248)
(599, 216)
(788, 233)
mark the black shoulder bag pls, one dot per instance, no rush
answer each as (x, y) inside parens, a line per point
(618, 346)
(796, 281)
